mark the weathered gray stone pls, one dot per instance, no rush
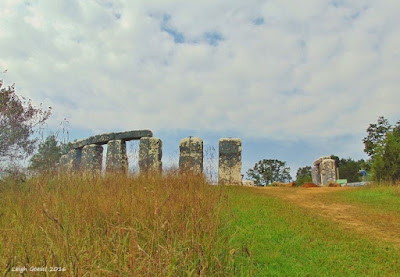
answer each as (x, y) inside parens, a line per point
(71, 161)
(92, 158)
(150, 154)
(230, 161)
(117, 160)
(316, 175)
(327, 169)
(191, 155)
(319, 160)
(104, 138)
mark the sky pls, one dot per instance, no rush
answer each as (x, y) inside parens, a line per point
(295, 80)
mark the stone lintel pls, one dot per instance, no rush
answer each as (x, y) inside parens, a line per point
(104, 138)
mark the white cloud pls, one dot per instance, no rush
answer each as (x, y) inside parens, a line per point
(309, 69)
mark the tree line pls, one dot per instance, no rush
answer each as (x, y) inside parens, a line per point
(381, 144)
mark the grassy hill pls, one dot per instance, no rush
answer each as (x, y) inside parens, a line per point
(181, 226)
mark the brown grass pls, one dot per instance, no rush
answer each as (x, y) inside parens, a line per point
(144, 226)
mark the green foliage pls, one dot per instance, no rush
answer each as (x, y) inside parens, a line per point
(18, 121)
(386, 164)
(303, 175)
(48, 155)
(376, 136)
(349, 168)
(266, 172)
(382, 144)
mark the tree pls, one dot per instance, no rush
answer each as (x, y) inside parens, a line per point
(48, 156)
(376, 136)
(382, 144)
(18, 122)
(303, 175)
(266, 172)
(349, 168)
(386, 163)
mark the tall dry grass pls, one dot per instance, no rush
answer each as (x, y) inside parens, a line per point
(166, 225)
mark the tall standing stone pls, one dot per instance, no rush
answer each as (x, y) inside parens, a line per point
(328, 172)
(230, 161)
(191, 155)
(71, 161)
(116, 160)
(92, 158)
(316, 175)
(150, 154)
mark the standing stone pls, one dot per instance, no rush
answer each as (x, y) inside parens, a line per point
(316, 175)
(92, 158)
(71, 161)
(328, 172)
(230, 161)
(117, 160)
(150, 154)
(191, 155)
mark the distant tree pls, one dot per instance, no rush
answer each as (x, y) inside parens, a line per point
(376, 136)
(303, 175)
(18, 122)
(349, 168)
(382, 144)
(48, 156)
(266, 172)
(336, 159)
(386, 163)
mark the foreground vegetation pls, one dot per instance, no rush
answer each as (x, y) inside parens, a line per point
(166, 226)
(182, 226)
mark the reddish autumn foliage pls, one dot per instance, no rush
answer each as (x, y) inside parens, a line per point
(310, 185)
(18, 121)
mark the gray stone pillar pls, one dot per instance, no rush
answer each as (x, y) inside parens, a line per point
(316, 175)
(117, 160)
(150, 154)
(328, 172)
(191, 155)
(71, 161)
(230, 161)
(92, 158)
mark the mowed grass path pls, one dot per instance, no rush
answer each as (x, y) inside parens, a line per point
(274, 236)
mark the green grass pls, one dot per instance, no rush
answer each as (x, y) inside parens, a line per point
(381, 198)
(285, 240)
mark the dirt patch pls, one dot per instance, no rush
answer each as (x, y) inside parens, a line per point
(350, 216)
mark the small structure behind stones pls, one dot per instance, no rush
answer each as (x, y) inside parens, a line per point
(248, 183)
(324, 171)
(191, 155)
(230, 161)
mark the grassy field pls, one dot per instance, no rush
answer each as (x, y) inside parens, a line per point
(181, 226)
(382, 198)
(283, 239)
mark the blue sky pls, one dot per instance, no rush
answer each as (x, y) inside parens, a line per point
(294, 80)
